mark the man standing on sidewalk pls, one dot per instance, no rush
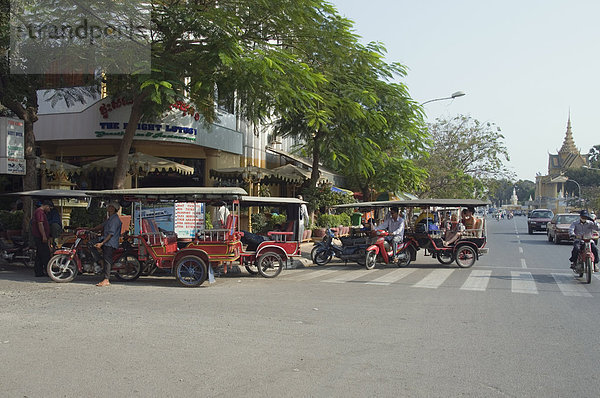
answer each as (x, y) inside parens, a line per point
(40, 229)
(110, 239)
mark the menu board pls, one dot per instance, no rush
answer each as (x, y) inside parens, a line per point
(189, 219)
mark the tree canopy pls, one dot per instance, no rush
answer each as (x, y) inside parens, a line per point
(463, 156)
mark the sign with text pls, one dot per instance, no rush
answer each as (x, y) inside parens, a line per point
(189, 219)
(12, 146)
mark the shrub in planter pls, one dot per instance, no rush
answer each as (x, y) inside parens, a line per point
(11, 220)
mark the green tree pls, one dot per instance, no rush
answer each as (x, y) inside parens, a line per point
(463, 156)
(233, 47)
(364, 124)
(19, 94)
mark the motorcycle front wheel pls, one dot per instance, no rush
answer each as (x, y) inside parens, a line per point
(322, 256)
(62, 268)
(371, 259)
(588, 270)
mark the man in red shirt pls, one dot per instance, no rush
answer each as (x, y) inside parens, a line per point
(40, 229)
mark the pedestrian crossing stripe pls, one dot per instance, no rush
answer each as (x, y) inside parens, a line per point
(522, 282)
(477, 280)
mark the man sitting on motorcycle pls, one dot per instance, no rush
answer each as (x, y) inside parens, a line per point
(583, 227)
(394, 224)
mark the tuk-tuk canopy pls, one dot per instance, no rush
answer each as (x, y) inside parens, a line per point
(175, 193)
(54, 193)
(417, 203)
(269, 201)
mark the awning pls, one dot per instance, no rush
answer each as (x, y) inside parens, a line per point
(252, 173)
(284, 174)
(341, 190)
(141, 162)
(326, 174)
(54, 166)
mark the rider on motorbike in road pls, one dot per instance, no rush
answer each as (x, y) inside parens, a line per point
(581, 228)
(394, 224)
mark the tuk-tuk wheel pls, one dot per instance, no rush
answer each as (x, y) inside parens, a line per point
(269, 264)
(465, 256)
(191, 271)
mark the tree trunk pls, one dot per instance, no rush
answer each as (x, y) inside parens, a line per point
(122, 159)
(314, 176)
(30, 182)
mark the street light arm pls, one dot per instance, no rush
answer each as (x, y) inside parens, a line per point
(454, 95)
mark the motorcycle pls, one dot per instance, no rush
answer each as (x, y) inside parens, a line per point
(17, 249)
(382, 250)
(83, 257)
(585, 261)
(352, 249)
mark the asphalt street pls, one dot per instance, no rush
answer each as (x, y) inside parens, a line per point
(517, 324)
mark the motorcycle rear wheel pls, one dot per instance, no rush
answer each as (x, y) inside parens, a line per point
(62, 268)
(444, 257)
(130, 270)
(404, 258)
(29, 260)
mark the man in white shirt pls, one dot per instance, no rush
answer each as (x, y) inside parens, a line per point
(394, 224)
(220, 214)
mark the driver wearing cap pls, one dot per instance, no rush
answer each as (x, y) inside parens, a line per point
(110, 239)
(584, 227)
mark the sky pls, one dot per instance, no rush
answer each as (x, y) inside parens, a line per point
(522, 64)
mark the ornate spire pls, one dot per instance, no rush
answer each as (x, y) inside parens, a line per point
(568, 144)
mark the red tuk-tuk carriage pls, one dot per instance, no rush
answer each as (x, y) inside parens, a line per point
(208, 247)
(269, 254)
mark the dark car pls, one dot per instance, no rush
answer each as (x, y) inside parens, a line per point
(538, 220)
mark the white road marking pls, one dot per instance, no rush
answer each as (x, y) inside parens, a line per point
(348, 276)
(569, 286)
(392, 277)
(522, 282)
(523, 263)
(435, 278)
(306, 275)
(478, 280)
(521, 250)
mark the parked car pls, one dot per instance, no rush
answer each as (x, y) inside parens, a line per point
(538, 220)
(558, 228)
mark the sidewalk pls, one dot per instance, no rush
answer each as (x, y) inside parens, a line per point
(305, 260)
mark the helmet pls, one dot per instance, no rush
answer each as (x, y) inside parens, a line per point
(585, 214)
(592, 216)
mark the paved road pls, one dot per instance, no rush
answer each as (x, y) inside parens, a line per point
(516, 324)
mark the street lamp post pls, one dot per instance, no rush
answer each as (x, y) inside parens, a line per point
(578, 189)
(454, 95)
